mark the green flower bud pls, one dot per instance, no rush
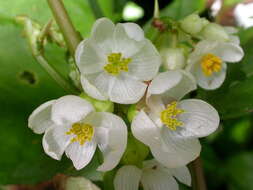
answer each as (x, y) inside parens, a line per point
(100, 106)
(193, 24)
(214, 31)
(173, 58)
(80, 183)
(135, 152)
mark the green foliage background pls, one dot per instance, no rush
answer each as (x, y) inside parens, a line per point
(227, 155)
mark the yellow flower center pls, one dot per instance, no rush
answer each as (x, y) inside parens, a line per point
(169, 116)
(116, 63)
(83, 132)
(210, 63)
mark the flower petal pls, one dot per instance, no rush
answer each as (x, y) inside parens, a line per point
(171, 85)
(92, 90)
(89, 58)
(182, 174)
(176, 150)
(126, 90)
(81, 155)
(229, 52)
(208, 82)
(40, 119)
(134, 31)
(127, 178)
(200, 118)
(145, 63)
(102, 34)
(102, 81)
(124, 44)
(70, 109)
(111, 137)
(55, 141)
(158, 180)
(144, 129)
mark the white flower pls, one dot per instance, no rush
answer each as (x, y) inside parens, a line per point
(170, 127)
(115, 61)
(72, 126)
(208, 62)
(153, 176)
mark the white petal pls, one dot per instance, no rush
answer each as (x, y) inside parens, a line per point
(127, 178)
(200, 118)
(230, 29)
(171, 85)
(176, 150)
(229, 52)
(145, 63)
(124, 44)
(126, 90)
(144, 129)
(208, 82)
(81, 155)
(158, 180)
(55, 141)
(234, 39)
(134, 31)
(102, 34)
(70, 109)
(40, 119)
(111, 136)
(102, 82)
(89, 58)
(182, 174)
(92, 90)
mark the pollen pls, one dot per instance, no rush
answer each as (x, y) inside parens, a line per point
(116, 63)
(169, 116)
(83, 133)
(210, 64)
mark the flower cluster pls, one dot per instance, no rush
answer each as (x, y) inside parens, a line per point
(118, 65)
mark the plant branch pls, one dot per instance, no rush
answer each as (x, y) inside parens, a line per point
(96, 8)
(71, 36)
(198, 178)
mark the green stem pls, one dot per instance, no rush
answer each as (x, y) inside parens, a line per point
(71, 36)
(198, 178)
(156, 9)
(96, 8)
(56, 76)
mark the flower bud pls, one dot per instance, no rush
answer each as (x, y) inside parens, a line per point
(100, 106)
(80, 183)
(135, 152)
(132, 111)
(193, 24)
(213, 31)
(173, 58)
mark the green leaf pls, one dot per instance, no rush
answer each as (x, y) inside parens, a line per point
(239, 171)
(181, 8)
(24, 86)
(79, 11)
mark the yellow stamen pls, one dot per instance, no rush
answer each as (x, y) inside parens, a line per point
(169, 116)
(84, 132)
(116, 63)
(210, 63)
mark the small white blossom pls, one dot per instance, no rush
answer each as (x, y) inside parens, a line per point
(72, 126)
(115, 61)
(171, 127)
(152, 176)
(208, 62)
